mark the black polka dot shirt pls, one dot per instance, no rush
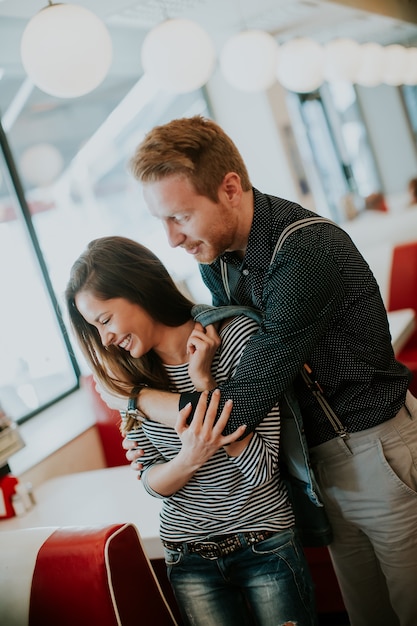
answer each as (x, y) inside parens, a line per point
(321, 305)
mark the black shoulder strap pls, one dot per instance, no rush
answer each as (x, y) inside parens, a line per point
(289, 230)
(306, 371)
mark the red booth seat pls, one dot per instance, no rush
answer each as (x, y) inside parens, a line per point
(107, 424)
(403, 295)
(78, 576)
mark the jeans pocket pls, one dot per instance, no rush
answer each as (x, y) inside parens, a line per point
(279, 542)
(172, 557)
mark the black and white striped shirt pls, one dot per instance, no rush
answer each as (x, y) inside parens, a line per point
(227, 494)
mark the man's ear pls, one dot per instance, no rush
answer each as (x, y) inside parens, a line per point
(232, 187)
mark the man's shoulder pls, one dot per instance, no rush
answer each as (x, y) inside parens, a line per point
(280, 211)
(283, 213)
(288, 211)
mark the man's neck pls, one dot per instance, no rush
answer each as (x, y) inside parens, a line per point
(245, 223)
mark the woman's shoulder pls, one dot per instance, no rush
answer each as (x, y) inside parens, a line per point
(237, 330)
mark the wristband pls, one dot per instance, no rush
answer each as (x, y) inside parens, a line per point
(132, 410)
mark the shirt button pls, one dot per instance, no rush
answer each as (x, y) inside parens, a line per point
(245, 272)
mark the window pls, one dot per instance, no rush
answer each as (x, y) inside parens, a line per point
(71, 160)
(36, 367)
(343, 161)
(410, 100)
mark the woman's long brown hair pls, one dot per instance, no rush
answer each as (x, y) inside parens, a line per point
(117, 267)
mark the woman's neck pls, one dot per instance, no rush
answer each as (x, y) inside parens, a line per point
(172, 350)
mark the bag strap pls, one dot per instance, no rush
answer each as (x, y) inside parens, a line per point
(317, 392)
(291, 228)
(306, 371)
(225, 278)
(288, 230)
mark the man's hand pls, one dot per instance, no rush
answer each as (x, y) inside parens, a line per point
(203, 437)
(133, 454)
(202, 345)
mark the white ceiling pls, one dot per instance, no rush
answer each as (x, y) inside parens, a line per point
(130, 20)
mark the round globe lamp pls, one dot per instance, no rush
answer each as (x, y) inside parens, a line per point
(300, 65)
(341, 60)
(41, 164)
(371, 65)
(66, 50)
(410, 74)
(248, 60)
(178, 55)
(395, 65)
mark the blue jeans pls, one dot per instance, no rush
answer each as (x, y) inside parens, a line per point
(264, 584)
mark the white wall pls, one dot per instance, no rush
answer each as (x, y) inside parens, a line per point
(390, 136)
(82, 454)
(249, 119)
(258, 124)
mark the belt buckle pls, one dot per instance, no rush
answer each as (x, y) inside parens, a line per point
(207, 549)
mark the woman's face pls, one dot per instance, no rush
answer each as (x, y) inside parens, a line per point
(119, 322)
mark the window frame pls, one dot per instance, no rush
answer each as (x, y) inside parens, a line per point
(24, 213)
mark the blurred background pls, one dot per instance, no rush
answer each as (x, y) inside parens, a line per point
(64, 176)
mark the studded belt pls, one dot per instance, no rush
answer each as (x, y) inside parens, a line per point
(220, 545)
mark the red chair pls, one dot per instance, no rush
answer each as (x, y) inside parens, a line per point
(403, 295)
(78, 576)
(107, 423)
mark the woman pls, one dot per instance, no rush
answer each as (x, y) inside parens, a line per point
(232, 554)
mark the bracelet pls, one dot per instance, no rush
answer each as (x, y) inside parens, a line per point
(132, 409)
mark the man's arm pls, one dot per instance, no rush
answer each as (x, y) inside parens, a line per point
(200, 440)
(300, 296)
(298, 307)
(162, 406)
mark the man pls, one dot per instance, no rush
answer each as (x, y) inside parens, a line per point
(321, 305)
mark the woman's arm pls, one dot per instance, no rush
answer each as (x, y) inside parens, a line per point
(258, 461)
(200, 441)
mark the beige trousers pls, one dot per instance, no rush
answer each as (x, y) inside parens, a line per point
(369, 489)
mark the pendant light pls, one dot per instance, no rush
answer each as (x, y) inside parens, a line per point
(66, 50)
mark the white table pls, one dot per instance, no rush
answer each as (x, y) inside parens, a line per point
(109, 495)
(402, 324)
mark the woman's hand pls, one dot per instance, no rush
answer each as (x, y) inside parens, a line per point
(133, 454)
(202, 345)
(203, 437)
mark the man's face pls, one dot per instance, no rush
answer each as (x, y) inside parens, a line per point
(205, 229)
